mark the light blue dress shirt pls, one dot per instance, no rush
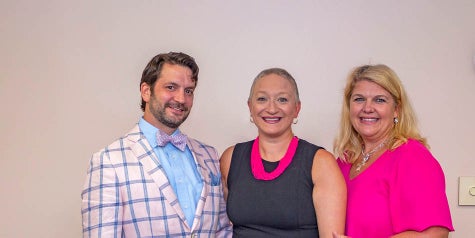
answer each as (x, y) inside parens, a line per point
(181, 170)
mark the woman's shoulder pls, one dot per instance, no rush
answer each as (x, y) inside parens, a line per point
(413, 152)
(305, 143)
(412, 146)
(240, 146)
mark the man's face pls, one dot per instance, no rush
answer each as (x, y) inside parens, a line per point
(170, 100)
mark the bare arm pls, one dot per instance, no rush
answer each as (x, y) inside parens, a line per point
(225, 163)
(433, 232)
(335, 235)
(224, 229)
(329, 194)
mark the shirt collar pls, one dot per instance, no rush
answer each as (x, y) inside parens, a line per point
(150, 132)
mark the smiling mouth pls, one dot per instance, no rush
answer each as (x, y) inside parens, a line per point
(177, 107)
(365, 119)
(181, 109)
(271, 119)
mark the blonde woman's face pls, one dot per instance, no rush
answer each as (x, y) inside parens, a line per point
(372, 111)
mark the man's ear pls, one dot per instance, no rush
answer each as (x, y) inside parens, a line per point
(145, 91)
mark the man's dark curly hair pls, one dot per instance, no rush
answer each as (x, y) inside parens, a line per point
(153, 69)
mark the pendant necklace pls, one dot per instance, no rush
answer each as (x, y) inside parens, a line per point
(367, 155)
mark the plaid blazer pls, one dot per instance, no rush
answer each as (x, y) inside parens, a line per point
(127, 194)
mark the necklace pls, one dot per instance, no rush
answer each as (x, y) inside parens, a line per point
(367, 155)
(257, 167)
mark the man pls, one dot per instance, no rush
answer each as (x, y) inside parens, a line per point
(155, 181)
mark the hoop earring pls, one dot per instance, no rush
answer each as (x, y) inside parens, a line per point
(251, 120)
(295, 121)
(396, 121)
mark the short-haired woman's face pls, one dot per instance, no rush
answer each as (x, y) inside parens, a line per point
(372, 111)
(273, 105)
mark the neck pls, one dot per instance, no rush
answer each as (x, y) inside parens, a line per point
(369, 151)
(369, 145)
(157, 124)
(273, 149)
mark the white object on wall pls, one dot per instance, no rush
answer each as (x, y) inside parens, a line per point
(466, 190)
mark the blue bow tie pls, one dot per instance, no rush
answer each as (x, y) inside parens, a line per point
(178, 139)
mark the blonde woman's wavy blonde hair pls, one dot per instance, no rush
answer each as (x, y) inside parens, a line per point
(349, 144)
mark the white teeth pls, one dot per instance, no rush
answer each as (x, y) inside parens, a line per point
(369, 119)
(177, 108)
(271, 119)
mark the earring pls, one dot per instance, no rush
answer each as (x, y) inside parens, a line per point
(396, 121)
(295, 121)
(251, 120)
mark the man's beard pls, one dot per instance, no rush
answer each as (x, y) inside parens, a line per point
(161, 116)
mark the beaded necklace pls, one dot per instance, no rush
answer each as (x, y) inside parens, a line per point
(257, 167)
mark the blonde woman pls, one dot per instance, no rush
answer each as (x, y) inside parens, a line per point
(386, 162)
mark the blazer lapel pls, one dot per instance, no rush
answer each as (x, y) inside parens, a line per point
(148, 159)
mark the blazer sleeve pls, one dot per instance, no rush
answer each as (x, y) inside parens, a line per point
(224, 225)
(217, 216)
(101, 209)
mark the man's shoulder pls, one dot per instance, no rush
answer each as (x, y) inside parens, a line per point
(199, 146)
(132, 136)
(196, 142)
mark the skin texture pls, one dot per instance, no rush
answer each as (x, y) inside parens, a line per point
(432, 232)
(170, 100)
(273, 106)
(372, 110)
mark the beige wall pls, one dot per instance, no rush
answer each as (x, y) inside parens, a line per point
(70, 71)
